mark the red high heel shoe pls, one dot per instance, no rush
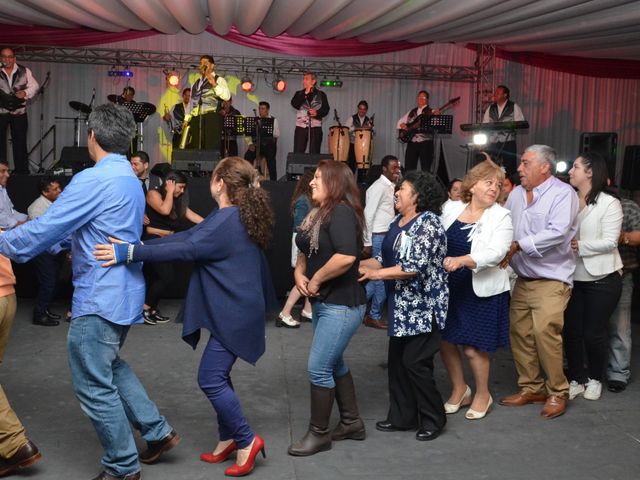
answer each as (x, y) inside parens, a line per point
(242, 470)
(210, 457)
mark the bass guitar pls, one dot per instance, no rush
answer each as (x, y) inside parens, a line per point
(413, 127)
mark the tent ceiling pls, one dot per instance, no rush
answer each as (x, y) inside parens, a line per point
(597, 28)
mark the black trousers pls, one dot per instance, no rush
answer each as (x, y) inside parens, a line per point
(211, 131)
(268, 149)
(505, 154)
(18, 125)
(586, 322)
(158, 276)
(232, 151)
(421, 150)
(301, 136)
(413, 395)
(46, 267)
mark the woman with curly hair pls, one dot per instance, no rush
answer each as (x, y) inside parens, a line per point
(330, 241)
(228, 294)
(411, 265)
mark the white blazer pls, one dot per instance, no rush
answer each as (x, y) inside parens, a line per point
(489, 245)
(598, 235)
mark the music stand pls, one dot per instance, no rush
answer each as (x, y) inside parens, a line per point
(260, 128)
(437, 125)
(140, 113)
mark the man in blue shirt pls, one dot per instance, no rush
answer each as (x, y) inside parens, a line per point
(102, 201)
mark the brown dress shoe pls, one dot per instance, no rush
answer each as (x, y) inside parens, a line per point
(522, 398)
(554, 407)
(155, 449)
(108, 476)
(28, 454)
(370, 322)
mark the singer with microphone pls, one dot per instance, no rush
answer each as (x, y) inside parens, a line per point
(312, 106)
(17, 85)
(207, 93)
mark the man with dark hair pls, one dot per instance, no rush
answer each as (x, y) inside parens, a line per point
(206, 93)
(140, 165)
(357, 120)
(229, 147)
(17, 85)
(176, 116)
(47, 265)
(312, 106)
(502, 145)
(9, 217)
(379, 212)
(420, 145)
(128, 94)
(268, 145)
(100, 202)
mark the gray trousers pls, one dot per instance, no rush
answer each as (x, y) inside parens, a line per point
(619, 368)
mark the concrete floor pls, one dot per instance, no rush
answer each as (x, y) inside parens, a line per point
(593, 440)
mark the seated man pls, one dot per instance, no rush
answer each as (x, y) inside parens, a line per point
(9, 218)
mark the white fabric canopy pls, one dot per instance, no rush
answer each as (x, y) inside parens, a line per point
(597, 28)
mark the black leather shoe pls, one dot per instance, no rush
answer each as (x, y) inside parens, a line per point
(107, 476)
(52, 315)
(425, 435)
(28, 454)
(155, 449)
(148, 317)
(387, 426)
(45, 321)
(616, 386)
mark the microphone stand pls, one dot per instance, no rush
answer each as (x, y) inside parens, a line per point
(258, 139)
(201, 120)
(41, 91)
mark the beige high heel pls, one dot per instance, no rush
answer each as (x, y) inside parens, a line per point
(450, 408)
(475, 415)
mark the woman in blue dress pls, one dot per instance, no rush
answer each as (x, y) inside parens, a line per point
(479, 234)
(228, 294)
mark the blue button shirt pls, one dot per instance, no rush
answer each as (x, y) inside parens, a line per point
(102, 201)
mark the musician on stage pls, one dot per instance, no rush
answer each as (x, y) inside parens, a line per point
(176, 116)
(312, 106)
(127, 94)
(357, 120)
(229, 145)
(502, 145)
(268, 145)
(18, 86)
(420, 146)
(206, 93)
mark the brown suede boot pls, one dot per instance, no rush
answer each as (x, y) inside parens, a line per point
(351, 425)
(318, 437)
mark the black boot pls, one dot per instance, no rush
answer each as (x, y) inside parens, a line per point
(351, 425)
(318, 437)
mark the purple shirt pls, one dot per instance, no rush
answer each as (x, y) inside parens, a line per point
(544, 229)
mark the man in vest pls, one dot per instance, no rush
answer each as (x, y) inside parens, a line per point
(420, 145)
(357, 120)
(502, 145)
(312, 106)
(176, 116)
(17, 85)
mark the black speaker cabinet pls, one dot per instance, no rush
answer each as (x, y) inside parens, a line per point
(605, 144)
(631, 168)
(74, 158)
(195, 160)
(298, 163)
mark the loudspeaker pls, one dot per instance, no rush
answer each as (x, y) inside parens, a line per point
(161, 169)
(631, 168)
(604, 144)
(74, 158)
(195, 160)
(298, 163)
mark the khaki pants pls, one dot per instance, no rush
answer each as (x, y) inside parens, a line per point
(536, 319)
(12, 435)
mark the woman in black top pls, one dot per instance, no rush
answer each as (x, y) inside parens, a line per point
(168, 212)
(330, 240)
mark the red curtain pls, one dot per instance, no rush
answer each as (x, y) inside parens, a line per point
(64, 37)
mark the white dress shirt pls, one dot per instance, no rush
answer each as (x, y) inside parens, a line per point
(38, 207)
(418, 137)
(518, 116)
(9, 218)
(379, 209)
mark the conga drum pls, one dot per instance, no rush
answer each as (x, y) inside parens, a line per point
(339, 143)
(363, 147)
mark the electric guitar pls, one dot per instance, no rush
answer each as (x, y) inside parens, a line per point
(413, 127)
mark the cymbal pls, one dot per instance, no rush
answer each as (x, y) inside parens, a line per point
(113, 98)
(80, 107)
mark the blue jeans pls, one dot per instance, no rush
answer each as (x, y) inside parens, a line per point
(375, 288)
(620, 334)
(110, 393)
(215, 382)
(333, 327)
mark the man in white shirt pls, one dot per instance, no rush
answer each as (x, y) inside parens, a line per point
(357, 120)
(268, 145)
(379, 212)
(9, 218)
(502, 145)
(420, 145)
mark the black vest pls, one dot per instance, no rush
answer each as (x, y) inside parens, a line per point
(507, 113)
(356, 121)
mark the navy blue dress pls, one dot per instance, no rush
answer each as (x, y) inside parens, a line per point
(481, 322)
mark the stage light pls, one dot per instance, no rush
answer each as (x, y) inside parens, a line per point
(332, 83)
(247, 83)
(173, 78)
(114, 72)
(279, 84)
(480, 139)
(562, 166)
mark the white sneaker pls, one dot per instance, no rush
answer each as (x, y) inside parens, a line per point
(575, 389)
(593, 390)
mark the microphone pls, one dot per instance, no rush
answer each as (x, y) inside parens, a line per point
(254, 113)
(335, 114)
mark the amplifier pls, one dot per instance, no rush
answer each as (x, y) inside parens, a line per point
(195, 160)
(298, 163)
